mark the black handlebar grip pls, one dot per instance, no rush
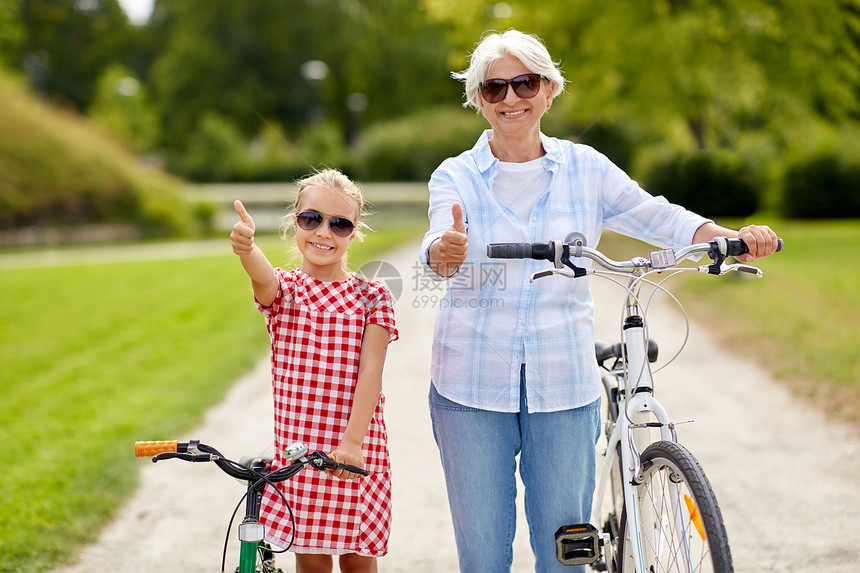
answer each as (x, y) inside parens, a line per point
(354, 469)
(509, 250)
(736, 247)
(539, 251)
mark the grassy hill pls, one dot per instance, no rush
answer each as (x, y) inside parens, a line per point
(57, 170)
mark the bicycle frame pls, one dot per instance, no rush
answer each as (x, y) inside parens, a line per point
(638, 409)
(251, 531)
(669, 510)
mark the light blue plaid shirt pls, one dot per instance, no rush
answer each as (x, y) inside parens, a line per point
(492, 319)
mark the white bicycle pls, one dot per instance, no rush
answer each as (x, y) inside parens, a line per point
(655, 509)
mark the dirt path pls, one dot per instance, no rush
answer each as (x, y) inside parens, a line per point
(788, 480)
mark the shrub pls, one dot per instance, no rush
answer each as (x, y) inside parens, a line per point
(410, 148)
(56, 170)
(714, 183)
(218, 152)
(822, 185)
(610, 140)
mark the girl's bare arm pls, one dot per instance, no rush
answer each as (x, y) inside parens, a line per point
(374, 346)
(254, 261)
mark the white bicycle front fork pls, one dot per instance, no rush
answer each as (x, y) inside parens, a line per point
(640, 407)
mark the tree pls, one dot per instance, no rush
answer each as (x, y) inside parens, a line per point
(11, 31)
(714, 67)
(68, 44)
(244, 61)
(122, 108)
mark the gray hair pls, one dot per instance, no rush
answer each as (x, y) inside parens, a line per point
(527, 48)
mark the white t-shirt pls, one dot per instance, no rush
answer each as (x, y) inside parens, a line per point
(519, 185)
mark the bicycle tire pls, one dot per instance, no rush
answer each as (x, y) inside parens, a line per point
(672, 473)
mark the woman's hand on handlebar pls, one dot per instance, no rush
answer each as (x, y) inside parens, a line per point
(761, 242)
(760, 239)
(448, 252)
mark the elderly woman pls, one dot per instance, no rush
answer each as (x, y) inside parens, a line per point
(513, 369)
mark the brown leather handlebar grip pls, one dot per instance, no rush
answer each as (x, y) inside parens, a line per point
(149, 449)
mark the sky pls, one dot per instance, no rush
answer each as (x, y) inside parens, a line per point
(138, 10)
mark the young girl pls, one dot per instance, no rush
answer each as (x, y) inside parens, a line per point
(329, 330)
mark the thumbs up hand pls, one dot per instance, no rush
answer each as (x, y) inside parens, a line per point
(448, 252)
(242, 237)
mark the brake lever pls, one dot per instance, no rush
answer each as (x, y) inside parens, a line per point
(745, 269)
(724, 269)
(188, 457)
(547, 273)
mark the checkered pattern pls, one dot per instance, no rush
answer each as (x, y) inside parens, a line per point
(316, 330)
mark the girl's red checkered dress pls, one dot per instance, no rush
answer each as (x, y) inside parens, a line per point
(316, 329)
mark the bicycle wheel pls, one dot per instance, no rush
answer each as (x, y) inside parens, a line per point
(681, 527)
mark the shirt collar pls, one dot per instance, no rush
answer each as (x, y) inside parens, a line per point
(485, 159)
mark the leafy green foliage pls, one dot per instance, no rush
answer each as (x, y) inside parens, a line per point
(55, 169)
(410, 148)
(714, 67)
(232, 101)
(122, 108)
(713, 183)
(244, 61)
(67, 45)
(822, 186)
(11, 30)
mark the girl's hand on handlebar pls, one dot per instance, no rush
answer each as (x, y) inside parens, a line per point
(346, 455)
(761, 242)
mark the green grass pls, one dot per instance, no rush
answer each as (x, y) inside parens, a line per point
(97, 356)
(800, 320)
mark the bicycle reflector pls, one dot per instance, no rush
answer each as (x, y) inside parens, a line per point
(694, 516)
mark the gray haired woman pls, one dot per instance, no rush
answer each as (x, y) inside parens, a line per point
(513, 370)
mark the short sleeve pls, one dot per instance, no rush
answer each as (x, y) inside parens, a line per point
(380, 310)
(286, 290)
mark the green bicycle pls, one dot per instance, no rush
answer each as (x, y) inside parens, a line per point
(258, 474)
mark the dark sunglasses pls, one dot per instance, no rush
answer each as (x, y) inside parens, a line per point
(525, 86)
(310, 220)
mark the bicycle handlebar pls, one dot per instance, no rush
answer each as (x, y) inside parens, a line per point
(560, 252)
(194, 451)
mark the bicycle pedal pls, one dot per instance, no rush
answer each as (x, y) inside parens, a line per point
(577, 544)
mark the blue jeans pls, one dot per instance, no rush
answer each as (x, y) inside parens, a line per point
(557, 467)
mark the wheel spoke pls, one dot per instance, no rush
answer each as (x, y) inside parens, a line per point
(678, 515)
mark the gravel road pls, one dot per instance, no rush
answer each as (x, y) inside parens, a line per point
(787, 478)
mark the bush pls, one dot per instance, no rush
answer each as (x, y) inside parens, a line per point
(410, 148)
(822, 185)
(55, 169)
(610, 140)
(218, 152)
(714, 183)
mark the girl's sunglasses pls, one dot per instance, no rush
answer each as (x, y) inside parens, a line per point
(310, 220)
(525, 86)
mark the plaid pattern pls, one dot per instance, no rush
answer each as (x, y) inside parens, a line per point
(493, 318)
(316, 330)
